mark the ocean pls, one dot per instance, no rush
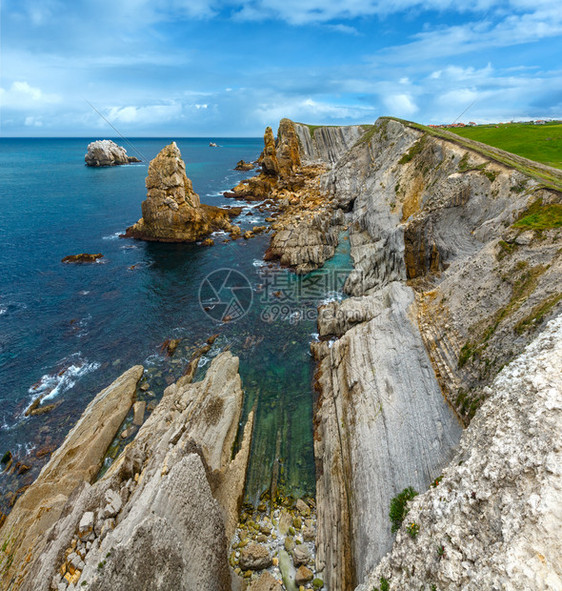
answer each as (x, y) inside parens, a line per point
(67, 331)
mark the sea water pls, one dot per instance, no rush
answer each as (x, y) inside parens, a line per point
(67, 331)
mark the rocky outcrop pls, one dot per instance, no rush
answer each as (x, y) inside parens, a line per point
(107, 153)
(494, 520)
(326, 145)
(172, 211)
(75, 462)
(378, 429)
(161, 516)
(82, 258)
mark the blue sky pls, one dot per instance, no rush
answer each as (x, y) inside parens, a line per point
(229, 68)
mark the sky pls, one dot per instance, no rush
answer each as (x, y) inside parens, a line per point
(229, 68)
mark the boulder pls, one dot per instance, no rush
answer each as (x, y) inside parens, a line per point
(243, 165)
(172, 211)
(255, 557)
(107, 153)
(304, 575)
(301, 555)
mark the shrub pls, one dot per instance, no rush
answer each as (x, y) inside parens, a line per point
(398, 509)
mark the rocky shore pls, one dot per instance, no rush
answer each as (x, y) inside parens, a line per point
(449, 285)
(438, 376)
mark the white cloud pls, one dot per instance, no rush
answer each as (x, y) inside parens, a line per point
(22, 96)
(148, 114)
(401, 105)
(33, 122)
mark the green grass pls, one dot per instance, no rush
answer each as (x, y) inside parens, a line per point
(398, 508)
(551, 179)
(537, 314)
(542, 143)
(540, 217)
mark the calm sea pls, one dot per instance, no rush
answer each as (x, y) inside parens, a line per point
(67, 331)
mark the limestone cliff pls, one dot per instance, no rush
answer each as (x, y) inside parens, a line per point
(107, 153)
(450, 283)
(494, 520)
(161, 516)
(172, 211)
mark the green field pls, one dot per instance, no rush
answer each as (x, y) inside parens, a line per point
(542, 143)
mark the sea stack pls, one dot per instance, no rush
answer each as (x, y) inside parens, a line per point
(172, 211)
(107, 153)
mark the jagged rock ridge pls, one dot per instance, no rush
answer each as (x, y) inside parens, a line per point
(172, 211)
(161, 516)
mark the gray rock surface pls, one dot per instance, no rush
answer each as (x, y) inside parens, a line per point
(494, 521)
(75, 462)
(381, 425)
(107, 153)
(178, 493)
(327, 145)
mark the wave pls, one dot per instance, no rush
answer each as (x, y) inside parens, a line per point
(72, 369)
(113, 236)
(3, 310)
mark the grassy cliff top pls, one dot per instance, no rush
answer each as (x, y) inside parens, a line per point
(542, 143)
(548, 176)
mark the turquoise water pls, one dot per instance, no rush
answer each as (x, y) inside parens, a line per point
(68, 331)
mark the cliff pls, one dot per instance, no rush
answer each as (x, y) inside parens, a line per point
(493, 522)
(160, 517)
(172, 211)
(107, 153)
(457, 265)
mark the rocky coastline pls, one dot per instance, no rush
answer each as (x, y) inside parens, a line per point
(439, 373)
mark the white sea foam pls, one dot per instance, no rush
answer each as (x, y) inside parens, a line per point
(52, 385)
(3, 310)
(113, 236)
(258, 263)
(332, 296)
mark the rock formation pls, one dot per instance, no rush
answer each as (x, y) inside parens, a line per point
(493, 521)
(172, 211)
(82, 258)
(160, 517)
(107, 153)
(76, 462)
(450, 284)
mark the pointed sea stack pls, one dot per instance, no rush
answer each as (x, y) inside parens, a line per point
(172, 211)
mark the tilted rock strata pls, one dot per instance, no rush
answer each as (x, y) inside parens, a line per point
(494, 521)
(172, 211)
(381, 424)
(161, 516)
(107, 153)
(76, 461)
(326, 145)
(427, 210)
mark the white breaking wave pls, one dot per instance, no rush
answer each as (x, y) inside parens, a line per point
(113, 236)
(3, 310)
(52, 385)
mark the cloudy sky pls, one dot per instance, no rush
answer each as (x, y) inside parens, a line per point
(228, 67)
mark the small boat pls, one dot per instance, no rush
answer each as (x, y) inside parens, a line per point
(213, 145)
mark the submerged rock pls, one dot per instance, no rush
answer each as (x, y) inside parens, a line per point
(172, 211)
(107, 153)
(82, 258)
